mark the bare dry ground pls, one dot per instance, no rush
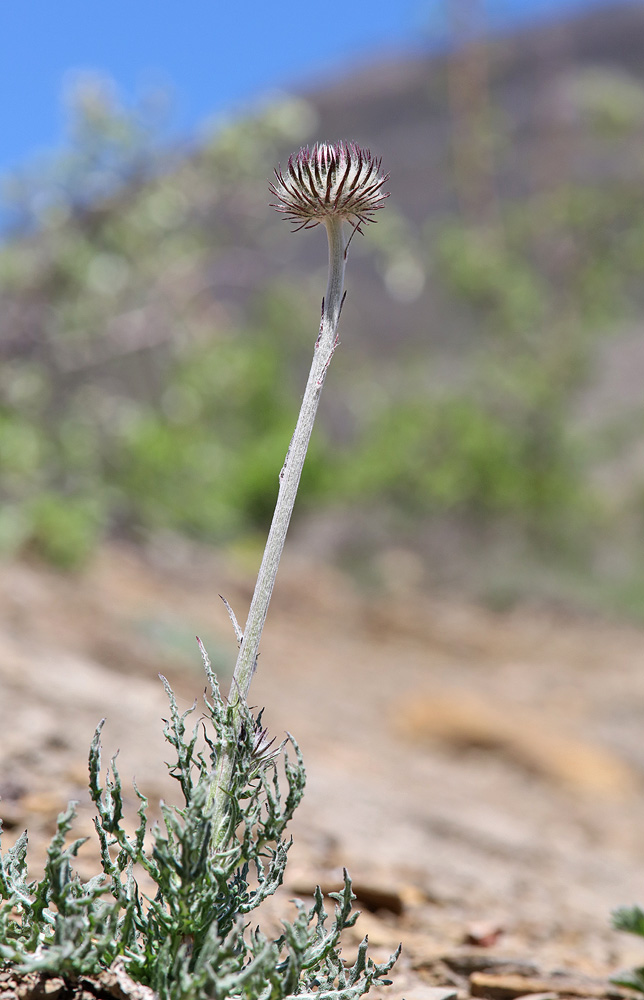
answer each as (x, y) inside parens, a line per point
(480, 774)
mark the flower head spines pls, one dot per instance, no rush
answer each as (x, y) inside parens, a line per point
(332, 179)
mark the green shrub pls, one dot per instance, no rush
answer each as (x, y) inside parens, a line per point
(222, 852)
(630, 919)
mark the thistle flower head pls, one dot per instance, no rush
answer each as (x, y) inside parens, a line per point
(332, 179)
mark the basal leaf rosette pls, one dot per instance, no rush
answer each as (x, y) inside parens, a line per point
(332, 180)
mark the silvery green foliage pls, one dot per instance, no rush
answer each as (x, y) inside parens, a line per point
(191, 939)
(630, 919)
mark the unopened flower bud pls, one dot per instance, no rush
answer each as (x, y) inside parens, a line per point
(338, 180)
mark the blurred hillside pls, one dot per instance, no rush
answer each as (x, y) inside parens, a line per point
(482, 427)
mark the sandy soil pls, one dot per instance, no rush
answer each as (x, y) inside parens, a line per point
(480, 774)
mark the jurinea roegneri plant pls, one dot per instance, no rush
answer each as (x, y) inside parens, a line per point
(167, 917)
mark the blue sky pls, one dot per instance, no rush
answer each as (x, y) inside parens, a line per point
(212, 55)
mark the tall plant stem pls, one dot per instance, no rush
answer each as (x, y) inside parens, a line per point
(289, 481)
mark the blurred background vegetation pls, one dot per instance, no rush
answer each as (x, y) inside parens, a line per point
(482, 429)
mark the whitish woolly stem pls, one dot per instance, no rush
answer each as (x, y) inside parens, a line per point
(289, 480)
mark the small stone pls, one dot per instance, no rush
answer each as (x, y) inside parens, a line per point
(538, 996)
(369, 895)
(54, 987)
(510, 987)
(483, 933)
(467, 962)
(423, 992)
